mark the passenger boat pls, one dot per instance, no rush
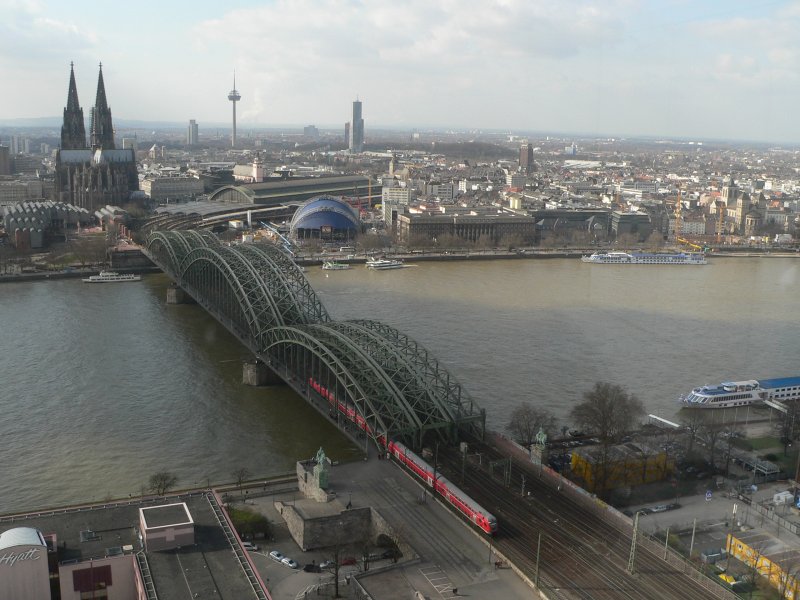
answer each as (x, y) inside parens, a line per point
(646, 258)
(330, 265)
(111, 277)
(730, 394)
(382, 264)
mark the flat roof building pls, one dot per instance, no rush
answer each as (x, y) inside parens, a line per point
(287, 191)
(180, 547)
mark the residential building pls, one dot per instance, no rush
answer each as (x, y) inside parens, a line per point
(160, 189)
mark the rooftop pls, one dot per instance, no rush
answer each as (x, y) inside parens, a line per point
(209, 568)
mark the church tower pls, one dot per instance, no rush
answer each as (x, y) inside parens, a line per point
(102, 131)
(73, 131)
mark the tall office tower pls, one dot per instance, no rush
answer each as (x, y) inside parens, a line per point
(5, 161)
(526, 158)
(101, 131)
(16, 145)
(347, 133)
(357, 129)
(192, 133)
(234, 96)
(73, 131)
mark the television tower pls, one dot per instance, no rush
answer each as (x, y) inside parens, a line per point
(234, 96)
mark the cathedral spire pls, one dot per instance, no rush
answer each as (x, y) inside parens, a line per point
(73, 131)
(102, 130)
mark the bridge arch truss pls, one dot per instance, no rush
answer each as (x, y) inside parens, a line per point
(373, 380)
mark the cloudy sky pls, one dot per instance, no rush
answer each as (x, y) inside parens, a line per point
(725, 69)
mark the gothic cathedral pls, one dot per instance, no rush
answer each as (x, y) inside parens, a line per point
(92, 176)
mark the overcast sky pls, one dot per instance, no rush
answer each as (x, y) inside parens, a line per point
(725, 69)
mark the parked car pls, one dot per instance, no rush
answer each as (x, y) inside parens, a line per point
(249, 546)
(289, 562)
(348, 560)
(276, 556)
(326, 564)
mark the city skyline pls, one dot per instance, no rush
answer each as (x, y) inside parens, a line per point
(624, 68)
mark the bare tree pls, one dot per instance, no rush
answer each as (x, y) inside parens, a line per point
(526, 420)
(240, 476)
(787, 427)
(609, 411)
(712, 433)
(693, 422)
(162, 482)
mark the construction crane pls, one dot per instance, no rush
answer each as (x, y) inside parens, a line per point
(690, 244)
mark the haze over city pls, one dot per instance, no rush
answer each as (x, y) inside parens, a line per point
(712, 70)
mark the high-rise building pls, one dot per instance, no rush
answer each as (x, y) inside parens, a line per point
(16, 145)
(192, 133)
(234, 96)
(526, 164)
(310, 131)
(5, 161)
(347, 133)
(357, 129)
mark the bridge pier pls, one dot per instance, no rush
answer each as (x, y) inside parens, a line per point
(256, 373)
(176, 295)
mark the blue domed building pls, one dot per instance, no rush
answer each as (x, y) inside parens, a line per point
(325, 218)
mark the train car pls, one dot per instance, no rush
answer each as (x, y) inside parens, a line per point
(465, 505)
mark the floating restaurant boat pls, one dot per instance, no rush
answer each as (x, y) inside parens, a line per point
(731, 394)
(646, 258)
(111, 277)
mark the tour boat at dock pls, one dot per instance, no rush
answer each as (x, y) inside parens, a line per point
(112, 277)
(731, 394)
(381, 264)
(646, 258)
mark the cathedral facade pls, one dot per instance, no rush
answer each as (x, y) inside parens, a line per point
(94, 174)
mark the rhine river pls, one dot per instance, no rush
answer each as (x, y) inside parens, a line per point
(103, 385)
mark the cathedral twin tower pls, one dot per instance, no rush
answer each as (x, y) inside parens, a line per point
(91, 176)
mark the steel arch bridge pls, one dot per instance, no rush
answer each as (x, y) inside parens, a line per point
(375, 381)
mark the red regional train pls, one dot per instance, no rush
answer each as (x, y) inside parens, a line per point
(465, 505)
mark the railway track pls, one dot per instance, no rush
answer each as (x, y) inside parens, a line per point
(582, 556)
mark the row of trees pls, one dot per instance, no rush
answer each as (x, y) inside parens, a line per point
(607, 410)
(162, 482)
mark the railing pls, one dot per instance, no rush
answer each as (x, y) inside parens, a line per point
(769, 513)
(233, 540)
(147, 578)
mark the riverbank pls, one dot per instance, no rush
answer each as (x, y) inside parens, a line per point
(70, 274)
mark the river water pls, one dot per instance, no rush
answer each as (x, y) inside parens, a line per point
(104, 385)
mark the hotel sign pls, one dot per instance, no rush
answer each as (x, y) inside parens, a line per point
(11, 558)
